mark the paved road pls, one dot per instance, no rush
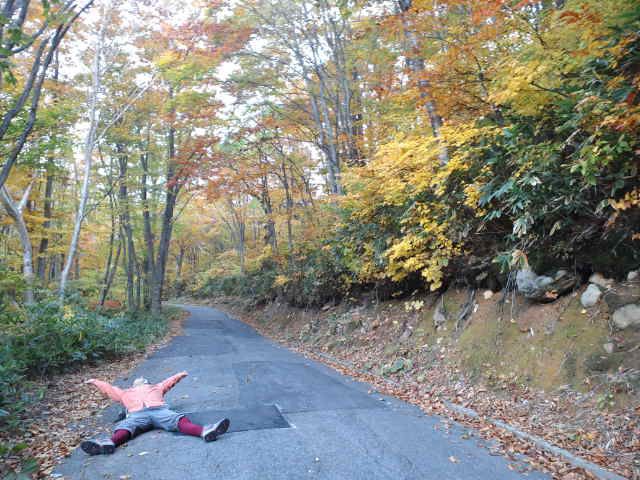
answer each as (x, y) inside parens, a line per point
(291, 418)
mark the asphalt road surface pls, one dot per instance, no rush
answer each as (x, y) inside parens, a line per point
(291, 418)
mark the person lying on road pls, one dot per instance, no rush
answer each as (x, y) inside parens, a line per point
(147, 410)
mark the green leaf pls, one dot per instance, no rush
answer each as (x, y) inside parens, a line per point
(18, 447)
(30, 465)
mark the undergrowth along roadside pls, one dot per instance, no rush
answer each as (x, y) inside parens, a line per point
(38, 435)
(47, 338)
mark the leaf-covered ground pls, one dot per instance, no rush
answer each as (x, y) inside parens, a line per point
(566, 418)
(54, 426)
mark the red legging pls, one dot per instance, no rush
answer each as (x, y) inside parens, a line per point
(120, 436)
(184, 426)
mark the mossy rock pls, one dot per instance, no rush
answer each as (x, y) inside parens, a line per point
(331, 345)
(397, 366)
(602, 362)
(350, 325)
(391, 349)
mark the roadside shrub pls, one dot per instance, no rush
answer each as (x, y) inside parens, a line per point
(317, 276)
(257, 283)
(49, 338)
(553, 175)
(312, 277)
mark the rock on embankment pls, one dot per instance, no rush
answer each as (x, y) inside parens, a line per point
(622, 299)
(545, 288)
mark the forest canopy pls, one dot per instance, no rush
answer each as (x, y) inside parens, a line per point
(313, 149)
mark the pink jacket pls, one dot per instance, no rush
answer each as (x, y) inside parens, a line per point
(137, 398)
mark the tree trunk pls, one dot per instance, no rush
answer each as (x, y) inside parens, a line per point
(138, 285)
(46, 225)
(289, 206)
(163, 249)
(335, 36)
(15, 212)
(125, 223)
(270, 236)
(179, 261)
(88, 159)
(110, 274)
(150, 264)
(236, 223)
(48, 193)
(320, 117)
(333, 170)
(416, 64)
(172, 189)
(107, 269)
(76, 268)
(357, 132)
(241, 246)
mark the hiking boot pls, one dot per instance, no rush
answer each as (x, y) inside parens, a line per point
(98, 447)
(211, 432)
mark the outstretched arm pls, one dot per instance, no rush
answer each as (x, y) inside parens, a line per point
(170, 382)
(114, 393)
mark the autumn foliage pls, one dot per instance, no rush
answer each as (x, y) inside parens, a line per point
(310, 150)
(484, 128)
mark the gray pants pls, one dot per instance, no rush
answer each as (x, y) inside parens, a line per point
(149, 418)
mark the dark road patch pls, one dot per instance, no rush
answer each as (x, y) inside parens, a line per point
(296, 387)
(225, 327)
(191, 345)
(204, 323)
(244, 419)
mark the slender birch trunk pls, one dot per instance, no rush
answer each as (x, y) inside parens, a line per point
(15, 212)
(89, 145)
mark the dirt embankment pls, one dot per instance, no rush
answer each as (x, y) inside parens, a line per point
(557, 371)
